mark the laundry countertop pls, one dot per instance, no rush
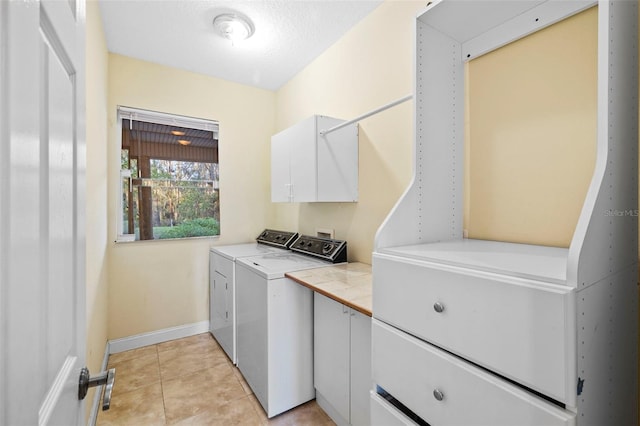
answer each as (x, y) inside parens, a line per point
(347, 283)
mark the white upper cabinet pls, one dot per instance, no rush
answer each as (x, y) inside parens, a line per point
(307, 166)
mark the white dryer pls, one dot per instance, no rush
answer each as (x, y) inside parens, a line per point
(275, 322)
(222, 318)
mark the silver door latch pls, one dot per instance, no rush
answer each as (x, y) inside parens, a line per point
(104, 378)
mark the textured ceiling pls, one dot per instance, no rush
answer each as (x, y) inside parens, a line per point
(179, 33)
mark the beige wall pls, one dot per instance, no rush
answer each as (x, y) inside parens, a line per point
(531, 134)
(97, 275)
(369, 67)
(160, 284)
(515, 185)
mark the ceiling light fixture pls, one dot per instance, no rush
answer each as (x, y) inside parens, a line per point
(184, 142)
(177, 133)
(233, 26)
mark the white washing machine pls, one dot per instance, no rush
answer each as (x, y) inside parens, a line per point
(275, 322)
(222, 318)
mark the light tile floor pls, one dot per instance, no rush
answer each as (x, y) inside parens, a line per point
(190, 381)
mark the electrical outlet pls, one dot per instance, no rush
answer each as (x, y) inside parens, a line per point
(325, 233)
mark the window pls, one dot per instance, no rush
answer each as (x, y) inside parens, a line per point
(169, 176)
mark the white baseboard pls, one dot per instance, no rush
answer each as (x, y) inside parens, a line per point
(331, 412)
(158, 336)
(138, 341)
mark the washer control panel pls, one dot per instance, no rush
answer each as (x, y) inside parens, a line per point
(275, 238)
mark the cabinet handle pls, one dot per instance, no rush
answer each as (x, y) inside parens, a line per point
(289, 187)
(438, 394)
(438, 307)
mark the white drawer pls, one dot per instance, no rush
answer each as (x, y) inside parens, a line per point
(521, 329)
(385, 414)
(413, 371)
(222, 265)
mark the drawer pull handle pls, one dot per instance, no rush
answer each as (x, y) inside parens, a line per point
(438, 307)
(438, 394)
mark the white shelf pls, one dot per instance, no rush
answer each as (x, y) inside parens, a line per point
(540, 263)
(496, 23)
(433, 285)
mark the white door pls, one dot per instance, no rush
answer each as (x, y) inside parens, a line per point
(42, 271)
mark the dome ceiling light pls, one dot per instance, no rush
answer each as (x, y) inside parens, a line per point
(233, 26)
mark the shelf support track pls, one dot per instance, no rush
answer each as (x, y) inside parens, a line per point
(368, 114)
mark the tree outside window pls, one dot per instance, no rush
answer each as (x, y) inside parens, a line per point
(169, 177)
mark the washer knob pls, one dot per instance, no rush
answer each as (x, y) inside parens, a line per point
(438, 307)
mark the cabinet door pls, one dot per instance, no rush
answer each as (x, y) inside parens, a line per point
(280, 177)
(361, 382)
(302, 161)
(307, 167)
(331, 353)
(218, 303)
(337, 161)
(222, 326)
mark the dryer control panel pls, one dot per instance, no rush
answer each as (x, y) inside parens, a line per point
(335, 251)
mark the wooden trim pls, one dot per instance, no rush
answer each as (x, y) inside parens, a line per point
(165, 151)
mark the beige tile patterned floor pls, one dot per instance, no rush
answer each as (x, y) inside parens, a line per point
(190, 381)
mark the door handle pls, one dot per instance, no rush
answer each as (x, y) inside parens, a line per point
(103, 378)
(438, 307)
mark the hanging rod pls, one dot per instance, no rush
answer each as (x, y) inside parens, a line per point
(363, 116)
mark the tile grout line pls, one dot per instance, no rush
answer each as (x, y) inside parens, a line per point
(164, 407)
(250, 397)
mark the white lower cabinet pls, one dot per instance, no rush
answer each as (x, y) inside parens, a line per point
(342, 361)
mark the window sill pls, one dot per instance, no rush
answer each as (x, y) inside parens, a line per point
(123, 239)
